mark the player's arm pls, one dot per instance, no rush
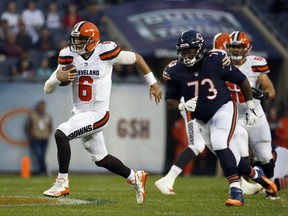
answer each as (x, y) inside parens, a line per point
(247, 93)
(234, 75)
(266, 86)
(128, 57)
(189, 105)
(57, 77)
(266, 89)
(165, 75)
(251, 116)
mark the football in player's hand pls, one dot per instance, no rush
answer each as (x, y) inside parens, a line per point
(65, 68)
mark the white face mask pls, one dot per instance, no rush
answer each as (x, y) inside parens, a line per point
(236, 58)
(237, 54)
(189, 62)
(190, 58)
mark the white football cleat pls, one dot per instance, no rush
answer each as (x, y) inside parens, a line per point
(60, 188)
(165, 186)
(139, 186)
(250, 188)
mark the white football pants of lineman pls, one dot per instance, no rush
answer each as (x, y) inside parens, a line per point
(240, 139)
(194, 137)
(258, 136)
(217, 130)
(92, 141)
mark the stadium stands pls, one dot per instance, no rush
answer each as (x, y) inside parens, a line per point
(273, 13)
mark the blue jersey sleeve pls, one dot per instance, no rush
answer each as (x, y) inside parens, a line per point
(233, 75)
(172, 89)
(229, 73)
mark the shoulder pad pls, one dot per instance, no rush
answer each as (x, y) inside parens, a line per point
(173, 67)
(217, 51)
(217, 55)
(108, 50)
(258, 64)
(65, 56)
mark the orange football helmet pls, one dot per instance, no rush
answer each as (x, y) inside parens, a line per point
(220, 40)
(84, 37)
(239, 46)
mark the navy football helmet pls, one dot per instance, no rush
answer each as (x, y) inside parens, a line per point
(190, 47)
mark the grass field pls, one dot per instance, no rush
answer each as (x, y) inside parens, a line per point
(111, 195)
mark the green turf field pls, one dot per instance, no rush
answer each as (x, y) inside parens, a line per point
(111, 195)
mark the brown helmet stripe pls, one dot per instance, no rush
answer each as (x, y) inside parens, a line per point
(235, 35)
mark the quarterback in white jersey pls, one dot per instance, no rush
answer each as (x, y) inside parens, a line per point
(255, 68)
(87, 66)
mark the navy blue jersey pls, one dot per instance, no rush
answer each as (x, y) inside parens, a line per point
(206, 79)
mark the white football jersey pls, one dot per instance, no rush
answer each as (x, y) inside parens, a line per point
(252, 68)
(92, 87)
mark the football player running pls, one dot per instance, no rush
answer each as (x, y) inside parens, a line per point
(199, 78)
(91, 87)
(165, 184)
(259, 135)
(240, 136)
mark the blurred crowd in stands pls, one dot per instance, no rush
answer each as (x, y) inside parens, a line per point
(33, 32)
(278, 121)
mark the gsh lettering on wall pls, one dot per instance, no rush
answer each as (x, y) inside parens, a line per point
(133, 128)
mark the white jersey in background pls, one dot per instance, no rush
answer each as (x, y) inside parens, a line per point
(253, 67)
(258, 135)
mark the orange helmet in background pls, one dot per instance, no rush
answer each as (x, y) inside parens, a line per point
(239, 45)
(84, 37)
(220, 40)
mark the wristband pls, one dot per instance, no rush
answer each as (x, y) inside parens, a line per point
(54, 81)
(150, 79)
(250, 104)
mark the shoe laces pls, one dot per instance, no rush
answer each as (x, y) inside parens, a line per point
(259, 179)
(58, 183)
(136, 183)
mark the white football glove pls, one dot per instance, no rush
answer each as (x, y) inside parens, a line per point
(189, 105)
(251, 117)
